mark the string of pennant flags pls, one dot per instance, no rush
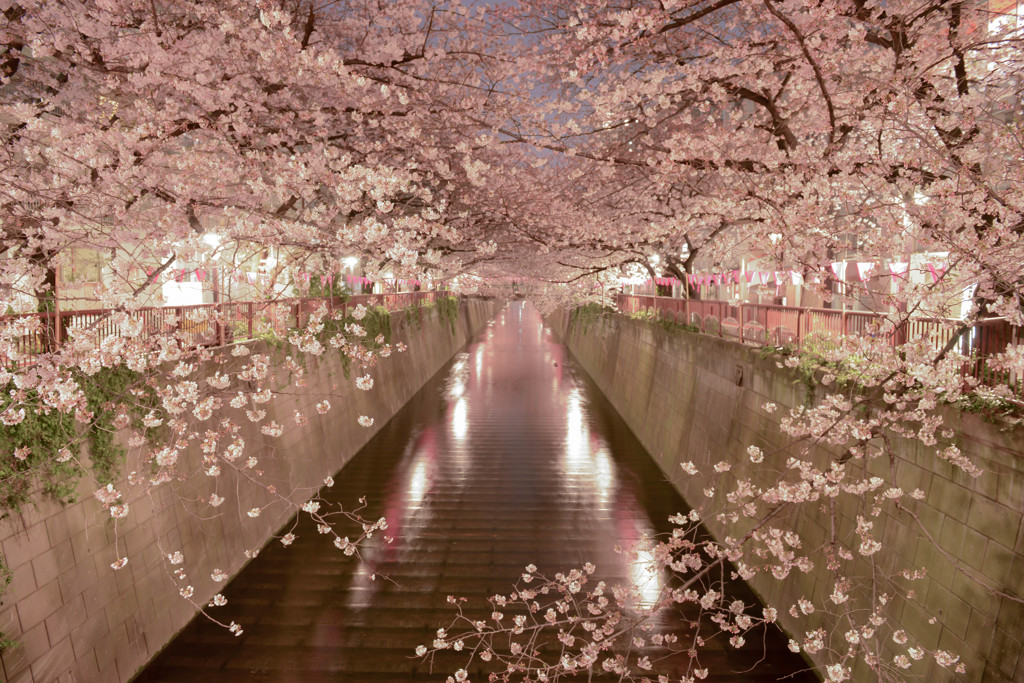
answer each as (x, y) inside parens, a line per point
(864, 271)
(328, 280)
(185, 275)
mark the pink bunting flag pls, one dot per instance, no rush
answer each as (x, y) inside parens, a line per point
(937, 271)
(837, 269)
(864, 270)
(899, 269)
(201, 274)
(251, 277)
(796, 278)
(750, 276)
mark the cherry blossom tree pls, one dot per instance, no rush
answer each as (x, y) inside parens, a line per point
(140, 129)
(787, 128)
(783, 130)
(565, 142)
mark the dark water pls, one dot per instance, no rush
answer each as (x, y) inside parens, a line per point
(507, 457)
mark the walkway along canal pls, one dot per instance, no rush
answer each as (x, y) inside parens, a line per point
(507, 457)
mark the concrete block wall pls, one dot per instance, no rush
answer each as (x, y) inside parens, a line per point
(695, 397)
(76, 619)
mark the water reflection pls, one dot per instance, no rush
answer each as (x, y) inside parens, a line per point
(646, 578)
(460, 419)
(506, 458)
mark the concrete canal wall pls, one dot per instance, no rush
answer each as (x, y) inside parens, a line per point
(695, 397)
(78, 620)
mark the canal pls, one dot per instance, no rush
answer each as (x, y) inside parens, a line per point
(508, 456)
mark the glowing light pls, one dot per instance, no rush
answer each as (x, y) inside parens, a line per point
(350, 261)
(575, 433)
(456, 386)
(418, 481)
(604, 476)
(460, 421)
(182, 293)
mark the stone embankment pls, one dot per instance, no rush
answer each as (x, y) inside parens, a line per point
(76, 619)
(692, 397)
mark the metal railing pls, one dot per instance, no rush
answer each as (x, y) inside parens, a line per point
(197, 325)
(766, 324)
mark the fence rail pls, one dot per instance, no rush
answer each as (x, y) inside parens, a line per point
(198, 325)
(766, 324)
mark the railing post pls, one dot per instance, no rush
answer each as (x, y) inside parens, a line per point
(1013, 378)
(221, 336)
(799, 328)
(179, 318)
(250, 313)
(842, 324)
(741, 321)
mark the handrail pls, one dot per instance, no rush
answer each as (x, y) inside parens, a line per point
(213, 324)
(770, 324)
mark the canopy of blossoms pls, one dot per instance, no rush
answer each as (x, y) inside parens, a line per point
(560, 142)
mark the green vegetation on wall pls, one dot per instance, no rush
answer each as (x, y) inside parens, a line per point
(44, 449)
(46, 445)
(30, 451)
(377, 324)
(112, 392)
(587, 314)
(448, 308)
